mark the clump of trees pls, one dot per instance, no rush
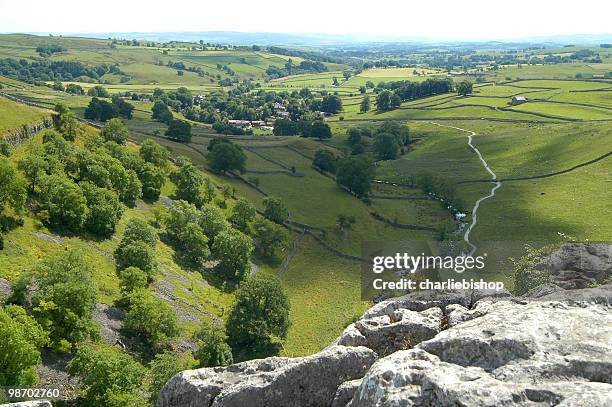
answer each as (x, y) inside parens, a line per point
(355, 174)
(225, 156)
(137, 248)
(392, 94)
(86, 188)
(111, 378)
(65, 300)
(325, 160)
(464, 88)
(259, 318)
(102, 110)
(45, 70)
(179, 130)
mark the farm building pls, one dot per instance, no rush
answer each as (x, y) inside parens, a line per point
(517, 100)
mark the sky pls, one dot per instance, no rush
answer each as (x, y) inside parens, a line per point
(436, 19)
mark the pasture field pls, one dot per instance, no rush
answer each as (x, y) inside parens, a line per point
(14, 115)
(557, 71)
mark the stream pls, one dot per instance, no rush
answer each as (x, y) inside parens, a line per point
(466, 236)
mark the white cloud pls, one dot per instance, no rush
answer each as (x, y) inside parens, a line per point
(482, 19)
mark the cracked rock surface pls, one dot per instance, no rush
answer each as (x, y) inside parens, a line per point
(458, 348)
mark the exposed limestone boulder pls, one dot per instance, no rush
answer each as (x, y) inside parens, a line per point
(542, 290)
(417, 378)
(420, 301)
(579, 265)
(596, 295)
(309, 381)
(513, 354)
(5, 290)
(470, 348)
(345, 393)
(386, 334)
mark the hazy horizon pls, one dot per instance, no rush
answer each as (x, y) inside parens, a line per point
(473, 20)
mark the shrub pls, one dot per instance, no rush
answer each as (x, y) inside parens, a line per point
(110, 377)
(259, 317)
(19, 355)
(232, 248)
(213, 349)
(275, 210)
(66, 299)
(150, 320)
(163, 367)
(114, 130)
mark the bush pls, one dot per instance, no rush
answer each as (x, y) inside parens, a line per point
(150, 320)
(259, 317)
(163, 367)
(110, 377)
(115, 130)
(66, 299)
(275, 210)
(213, 349)
(19, 355)
(526, 275)
(232, 248)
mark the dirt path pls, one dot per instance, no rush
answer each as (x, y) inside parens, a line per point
(466, 236)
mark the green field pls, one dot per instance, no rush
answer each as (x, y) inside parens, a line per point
(13, 115)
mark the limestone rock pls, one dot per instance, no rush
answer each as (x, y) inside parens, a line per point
(420, 301)
(309, 381)
(417, 378)
(579, 265)
(542, 290)
(386, 334)
(345, 393)
(538, 353)
(5, 290)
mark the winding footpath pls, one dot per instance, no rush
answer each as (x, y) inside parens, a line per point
(466, 236)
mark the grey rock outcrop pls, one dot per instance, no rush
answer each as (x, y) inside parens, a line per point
(512, 355)
(468, 348)
(5, 290)
(579, 265)
(309, 381)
